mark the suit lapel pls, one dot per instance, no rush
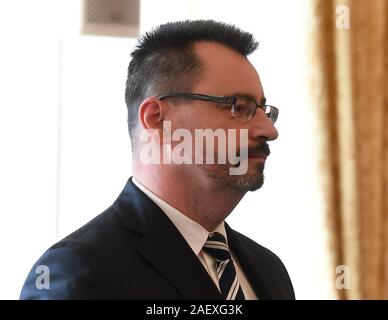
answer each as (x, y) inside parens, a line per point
(163, 246)
(250, 267)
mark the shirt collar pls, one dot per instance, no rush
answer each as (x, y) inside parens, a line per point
(194, 234)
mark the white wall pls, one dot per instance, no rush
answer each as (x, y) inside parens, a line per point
(65, 151)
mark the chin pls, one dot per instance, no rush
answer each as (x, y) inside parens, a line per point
(249, 182)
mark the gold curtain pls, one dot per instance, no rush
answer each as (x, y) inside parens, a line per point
(351, 95)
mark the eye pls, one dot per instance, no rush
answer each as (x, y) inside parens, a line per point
(238, 107)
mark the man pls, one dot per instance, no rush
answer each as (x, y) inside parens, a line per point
(165, 236)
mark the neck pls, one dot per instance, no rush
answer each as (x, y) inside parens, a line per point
(198, 197)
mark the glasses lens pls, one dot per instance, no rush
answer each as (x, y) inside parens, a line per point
(243, 108)
(271, 112)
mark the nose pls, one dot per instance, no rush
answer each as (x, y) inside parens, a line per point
(262, 127)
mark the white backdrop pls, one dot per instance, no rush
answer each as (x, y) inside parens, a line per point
(65, 151)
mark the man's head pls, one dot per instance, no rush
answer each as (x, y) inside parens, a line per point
(203, 57)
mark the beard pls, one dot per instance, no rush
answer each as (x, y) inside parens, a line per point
(252, 180)
(219, 173)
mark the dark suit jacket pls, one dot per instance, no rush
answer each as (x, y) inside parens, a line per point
(133, 251)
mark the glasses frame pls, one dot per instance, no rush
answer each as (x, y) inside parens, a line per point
(229, 100)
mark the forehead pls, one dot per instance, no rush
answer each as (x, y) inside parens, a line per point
(226, 71)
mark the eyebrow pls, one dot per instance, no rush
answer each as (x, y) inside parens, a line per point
(247, 95)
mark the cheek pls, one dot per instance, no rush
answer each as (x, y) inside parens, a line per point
(197, 118)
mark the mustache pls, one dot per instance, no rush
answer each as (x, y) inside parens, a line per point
(262, 150)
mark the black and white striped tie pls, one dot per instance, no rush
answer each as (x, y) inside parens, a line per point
(226, 272)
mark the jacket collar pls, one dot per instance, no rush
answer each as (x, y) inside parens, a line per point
(252, 267)
(161, 243)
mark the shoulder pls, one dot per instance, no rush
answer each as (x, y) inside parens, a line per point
(271, 266)
(258, 250)
(76, 266)
(64, 273)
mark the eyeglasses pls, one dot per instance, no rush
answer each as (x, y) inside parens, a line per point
(242, 107)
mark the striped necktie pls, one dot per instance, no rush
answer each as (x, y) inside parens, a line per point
(226, 272)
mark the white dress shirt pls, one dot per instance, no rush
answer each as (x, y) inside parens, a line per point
(196, 236)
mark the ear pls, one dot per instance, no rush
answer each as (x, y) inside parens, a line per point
(151, 116)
